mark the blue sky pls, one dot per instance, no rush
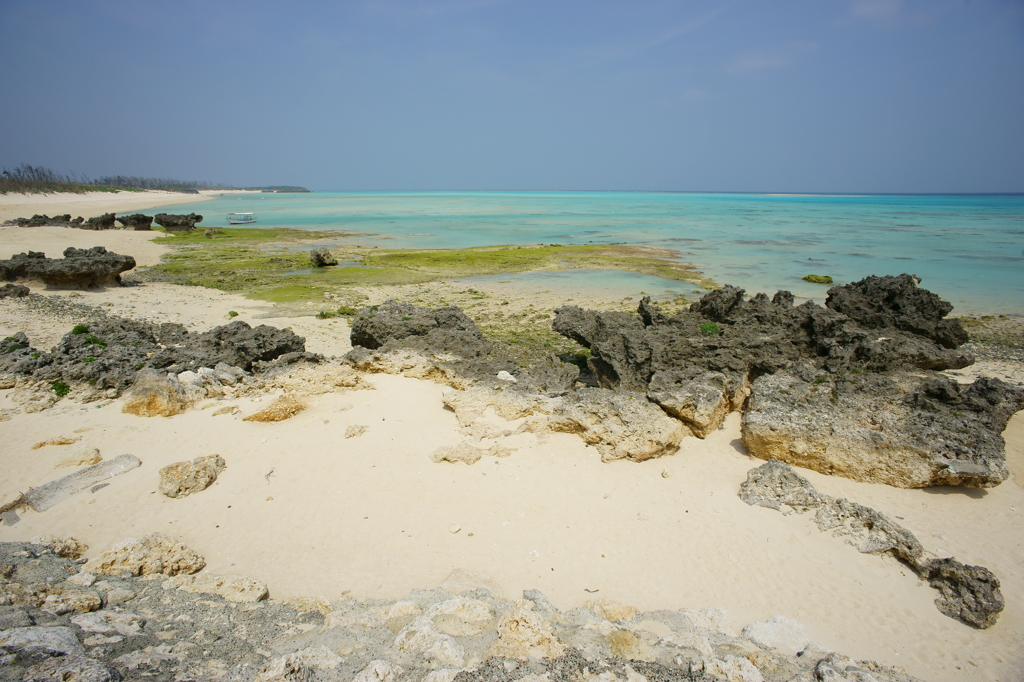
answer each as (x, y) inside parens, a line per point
(747, 95)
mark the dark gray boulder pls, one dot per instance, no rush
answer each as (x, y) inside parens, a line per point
(969, 594)
(137, 221)
(178, 222)
(885, 302)
(13, 291)
(376, 325)
(103, 222)
(80, 268)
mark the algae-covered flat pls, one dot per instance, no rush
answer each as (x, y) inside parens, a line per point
(273, 264)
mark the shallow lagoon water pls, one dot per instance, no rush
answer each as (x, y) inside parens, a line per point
(968, 249)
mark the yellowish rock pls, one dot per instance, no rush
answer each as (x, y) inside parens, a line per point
(151, 554)
(285, 407)
(236, 588)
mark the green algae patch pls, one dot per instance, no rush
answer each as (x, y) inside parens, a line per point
(496, 260)
(818, 279)
(273, 264)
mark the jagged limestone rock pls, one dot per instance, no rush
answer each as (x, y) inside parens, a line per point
(620, 425)
(969, 594)
(890, 429)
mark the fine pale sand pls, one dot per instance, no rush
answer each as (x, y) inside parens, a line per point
(313, 513)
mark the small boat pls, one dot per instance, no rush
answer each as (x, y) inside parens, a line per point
(241, 218)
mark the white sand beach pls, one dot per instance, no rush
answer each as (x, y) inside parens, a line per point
(88, 204)
(313, 512)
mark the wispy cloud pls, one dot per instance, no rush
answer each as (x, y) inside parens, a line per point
(753, 61)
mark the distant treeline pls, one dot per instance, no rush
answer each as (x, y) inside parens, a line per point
(36, 179)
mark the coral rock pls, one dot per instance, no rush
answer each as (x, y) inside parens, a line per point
(621, 425)
(184, 478)
(150, 554)
(237, 588)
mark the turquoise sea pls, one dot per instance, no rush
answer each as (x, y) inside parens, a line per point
(967, 248)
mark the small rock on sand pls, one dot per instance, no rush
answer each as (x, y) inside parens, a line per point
(184, 478)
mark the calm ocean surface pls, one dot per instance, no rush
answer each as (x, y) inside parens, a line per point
(968, 249)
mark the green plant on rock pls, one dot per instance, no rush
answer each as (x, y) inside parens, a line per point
(89, 359)
(325, 315)
(346, 310)
(80, 329)
(818, 279)
(96, 341)
(60, 388)
(232, 313)
(710, 328)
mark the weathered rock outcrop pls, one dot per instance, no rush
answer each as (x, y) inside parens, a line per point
(892, 429)
(885, 302)
(80, 268)
(444, 329)
(190, 628)
(620, 425)
(178, 222)
(969, 594)
(755, 337)
(103, 222)
(322, 257)
(136, 221)
(185, 478)
(108, 354)
(837, 389)
(446, 346)
(38, 220)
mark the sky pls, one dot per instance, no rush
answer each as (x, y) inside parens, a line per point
(741, 95)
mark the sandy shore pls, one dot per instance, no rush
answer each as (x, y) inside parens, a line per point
(315, 513)
(91, 204)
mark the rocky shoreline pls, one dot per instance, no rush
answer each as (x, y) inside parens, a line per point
(142, 611)
(872, 361)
